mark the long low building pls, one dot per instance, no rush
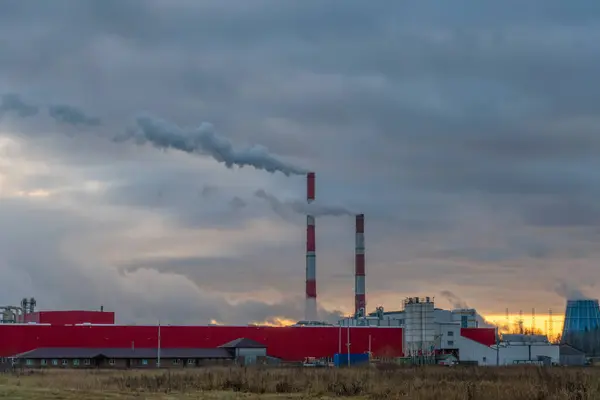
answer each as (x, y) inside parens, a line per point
(244, 351)
(294, 343)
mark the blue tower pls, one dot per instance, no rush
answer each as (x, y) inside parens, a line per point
(580, 316)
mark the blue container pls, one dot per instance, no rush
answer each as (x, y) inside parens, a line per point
(340, 360)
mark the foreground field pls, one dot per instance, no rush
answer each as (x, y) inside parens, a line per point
(413, 383)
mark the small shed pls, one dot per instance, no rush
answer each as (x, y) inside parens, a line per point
(569, 355)
(246, 351)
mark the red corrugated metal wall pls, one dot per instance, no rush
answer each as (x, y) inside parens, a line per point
(485, 336)
(287, 343)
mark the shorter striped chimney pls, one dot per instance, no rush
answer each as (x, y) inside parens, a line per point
(359, 262)
(311, 273)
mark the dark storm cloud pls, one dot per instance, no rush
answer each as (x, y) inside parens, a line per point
(466, 132)
(71, 115)
(12, 102)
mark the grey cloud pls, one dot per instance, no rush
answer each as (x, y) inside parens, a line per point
(209, 190)
(12, 102)
(94, 285)
(71, 115)
(237, 203)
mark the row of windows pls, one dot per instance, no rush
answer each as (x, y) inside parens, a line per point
(111, 361)
(55, 362)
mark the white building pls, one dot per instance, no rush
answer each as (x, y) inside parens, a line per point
(427, 328)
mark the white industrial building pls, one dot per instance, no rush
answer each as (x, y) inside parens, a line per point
(429, 331)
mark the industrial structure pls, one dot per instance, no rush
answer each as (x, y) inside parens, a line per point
(419, 333)
(360, 301)
(581, 316)
(311, 264)
(14, 314)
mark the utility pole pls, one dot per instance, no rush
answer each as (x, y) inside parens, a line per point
(348, 342)
(158, 349)
(340, 339)
(497, 347)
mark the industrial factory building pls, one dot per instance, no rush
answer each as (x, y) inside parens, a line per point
(419, 332)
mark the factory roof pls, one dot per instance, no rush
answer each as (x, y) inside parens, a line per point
(243, 343)
(73, 352)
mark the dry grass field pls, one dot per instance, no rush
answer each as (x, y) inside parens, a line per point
(431, 383)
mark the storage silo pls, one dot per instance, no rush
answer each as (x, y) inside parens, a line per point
(419, 326)
(580, 316)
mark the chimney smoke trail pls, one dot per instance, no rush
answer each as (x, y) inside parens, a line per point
(299, 207)
(204, 140)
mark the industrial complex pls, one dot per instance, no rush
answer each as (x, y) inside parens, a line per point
(419, 333)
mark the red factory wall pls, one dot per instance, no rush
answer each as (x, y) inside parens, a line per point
(287, 343)
(485, 336)
(71, 317)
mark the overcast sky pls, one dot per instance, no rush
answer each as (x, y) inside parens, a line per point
(468, 132)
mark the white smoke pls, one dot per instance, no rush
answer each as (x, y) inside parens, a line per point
(300, 207)
(204, 140)
(569, 291)
(458, 303)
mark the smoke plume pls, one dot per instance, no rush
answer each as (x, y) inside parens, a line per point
(458, 303)
(454, 300)
(71, 115)
(569, 291)
(300, 207)
(12, 102)
(204, 140)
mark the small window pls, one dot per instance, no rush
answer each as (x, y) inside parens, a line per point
(86, 361)
(43, 362)
(76, 362)
(176, 361)
(111, 361)
(450, 333)
(55, 362)
(65, 362)
(29, 362)
(144, 362)
(191, 361)
(450, 342)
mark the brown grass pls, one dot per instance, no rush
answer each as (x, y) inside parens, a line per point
(249, 383)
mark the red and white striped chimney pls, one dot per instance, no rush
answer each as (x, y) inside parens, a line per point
(359, 263)
(311, 273)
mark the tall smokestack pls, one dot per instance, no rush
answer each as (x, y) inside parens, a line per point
(311, 273)
(359, 262)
